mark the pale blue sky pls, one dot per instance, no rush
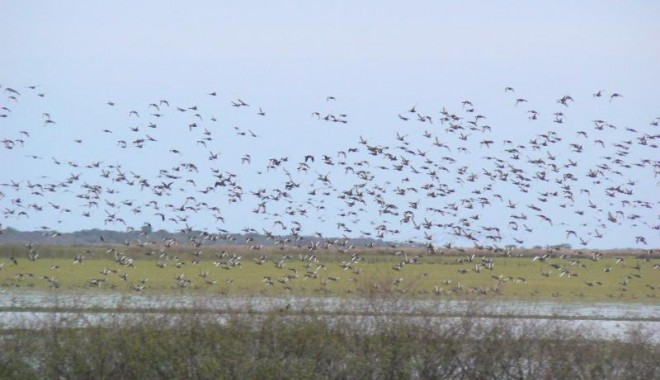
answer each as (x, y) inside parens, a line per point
(377, 58)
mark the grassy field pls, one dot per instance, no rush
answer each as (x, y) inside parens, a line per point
(237, 271)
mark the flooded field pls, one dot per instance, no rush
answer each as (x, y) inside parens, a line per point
(35, 309)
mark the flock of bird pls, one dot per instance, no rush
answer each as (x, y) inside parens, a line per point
(447, 180)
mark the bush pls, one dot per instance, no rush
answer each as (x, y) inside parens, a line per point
(307, 345)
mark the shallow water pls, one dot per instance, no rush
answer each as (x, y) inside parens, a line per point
(34, 308)
(97, 300)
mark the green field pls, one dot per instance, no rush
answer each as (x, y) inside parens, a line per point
(236, 271)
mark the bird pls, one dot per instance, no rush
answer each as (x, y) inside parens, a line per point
(400, 184)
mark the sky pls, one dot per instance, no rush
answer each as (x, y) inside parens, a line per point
(376, 59)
